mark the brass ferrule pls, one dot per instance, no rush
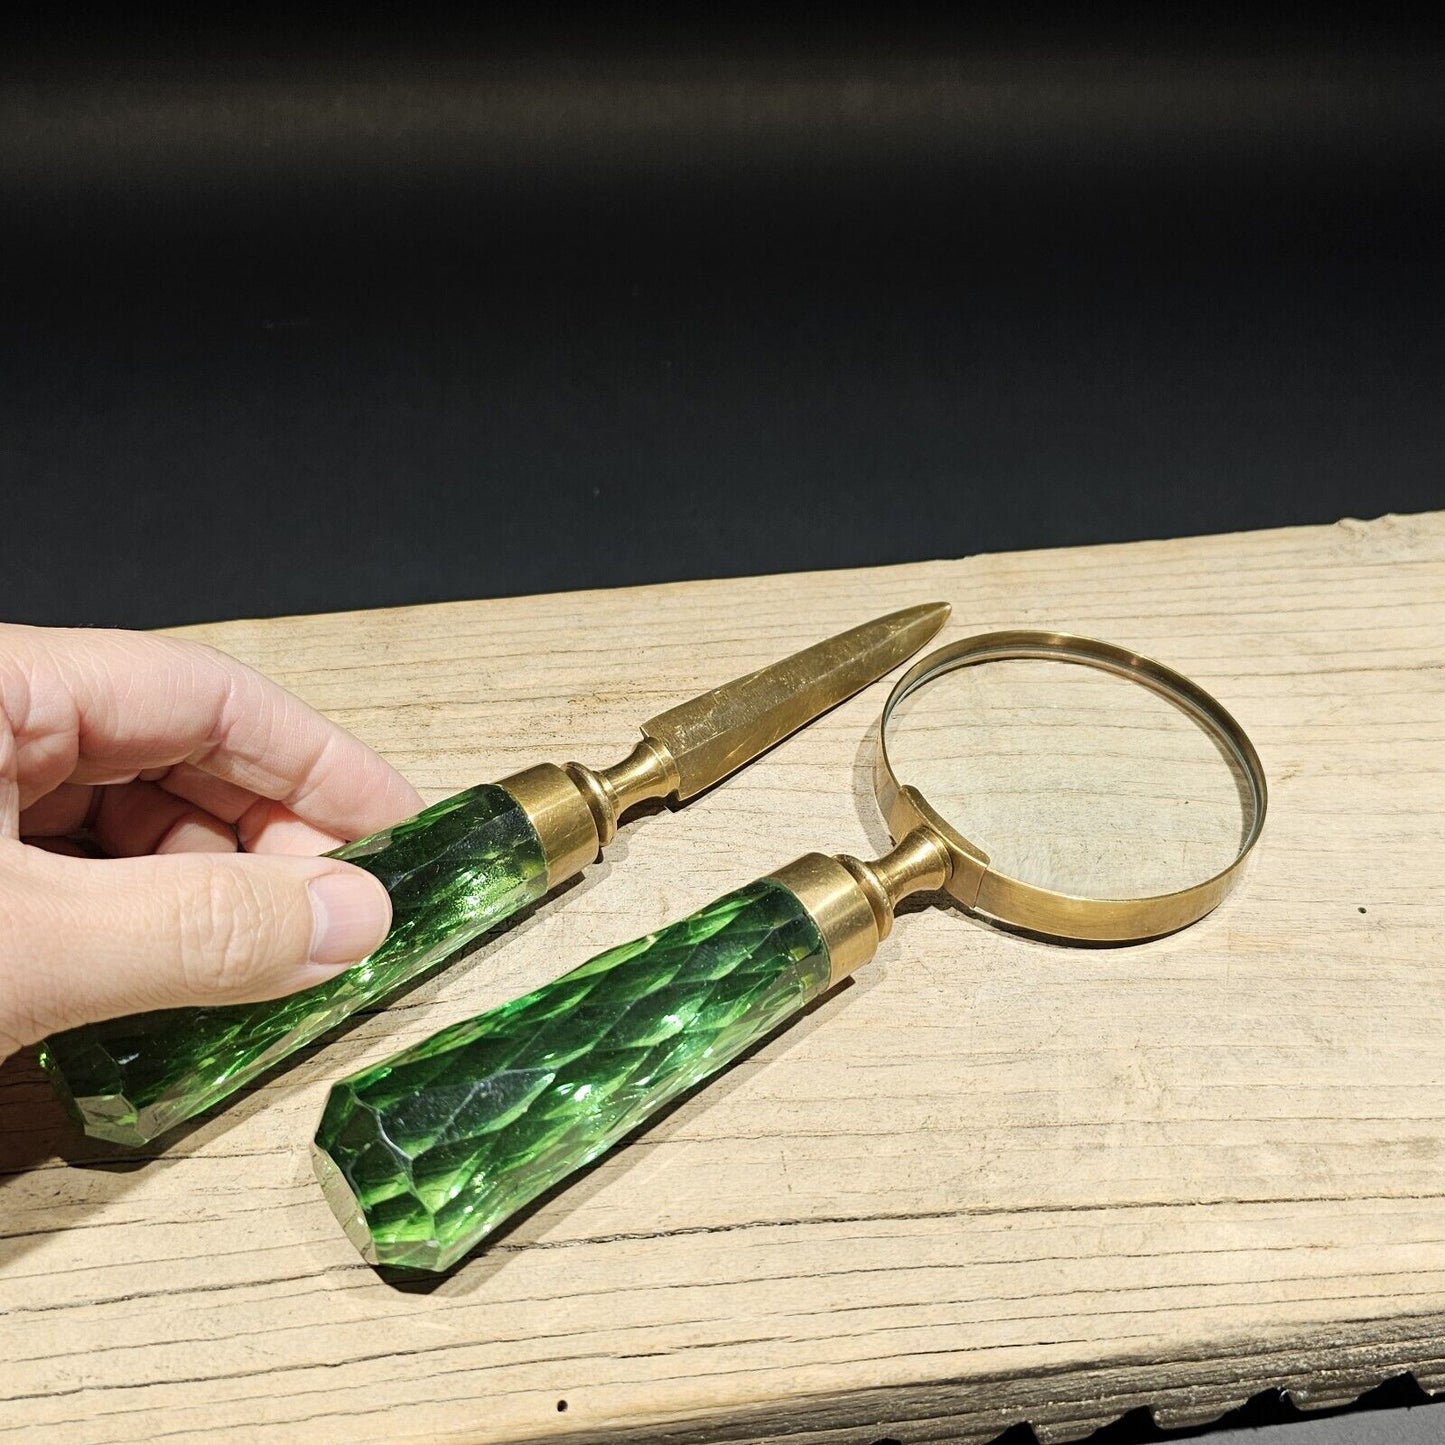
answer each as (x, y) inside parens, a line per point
(647, 772)
(559, 812)
(840, 908)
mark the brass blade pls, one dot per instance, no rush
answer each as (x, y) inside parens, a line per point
(716, 733)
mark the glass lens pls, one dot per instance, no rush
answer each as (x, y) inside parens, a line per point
(1072, 778)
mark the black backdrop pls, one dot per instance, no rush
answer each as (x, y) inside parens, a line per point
(306, 315)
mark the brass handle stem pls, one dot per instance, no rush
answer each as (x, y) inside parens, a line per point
(647, 772)
(852, 902)
(920, 862)
(575, 809)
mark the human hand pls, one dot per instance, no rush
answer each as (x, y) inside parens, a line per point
(169, 756)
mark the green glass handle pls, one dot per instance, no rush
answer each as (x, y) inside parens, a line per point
(458, 868)
(426, 1154)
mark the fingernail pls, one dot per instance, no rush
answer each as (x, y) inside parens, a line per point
(352, 914)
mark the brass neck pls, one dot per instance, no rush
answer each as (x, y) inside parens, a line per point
(920, 862)
(852, 902)
(647, 772)
(574, 810)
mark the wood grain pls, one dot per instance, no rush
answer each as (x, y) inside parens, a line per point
(992, 1180)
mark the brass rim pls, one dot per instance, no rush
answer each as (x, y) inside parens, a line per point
(1028, 906)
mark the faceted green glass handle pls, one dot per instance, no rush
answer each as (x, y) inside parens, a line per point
(424, 1155)
(453, 871)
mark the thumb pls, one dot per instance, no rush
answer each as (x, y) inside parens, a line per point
(88, 939)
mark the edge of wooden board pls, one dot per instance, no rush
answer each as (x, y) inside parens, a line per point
(1316, 1371)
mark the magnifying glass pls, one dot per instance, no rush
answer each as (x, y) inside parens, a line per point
(1049, 784)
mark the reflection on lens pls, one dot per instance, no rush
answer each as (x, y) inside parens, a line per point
(1071, 778)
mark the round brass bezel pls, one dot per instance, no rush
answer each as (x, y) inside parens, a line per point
(1011, 901)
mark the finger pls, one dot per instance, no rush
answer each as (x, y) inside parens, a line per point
(268, 827)
(92, 706)
(68, 809)
(120, 814)
(82, 940)
(128, 820)
(198, 832)
(140, 818)
(263, 826)
(222, 800)
(68, 846)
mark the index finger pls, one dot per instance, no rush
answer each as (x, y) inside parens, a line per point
(118, 703)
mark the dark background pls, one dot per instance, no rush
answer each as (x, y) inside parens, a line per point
(306, 314)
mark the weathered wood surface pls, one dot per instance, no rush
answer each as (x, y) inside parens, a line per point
(992, 1180)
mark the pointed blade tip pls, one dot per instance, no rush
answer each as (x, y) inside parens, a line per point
(925, 618)
(919, 610)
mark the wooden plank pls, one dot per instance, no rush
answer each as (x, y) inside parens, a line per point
(992, 1180)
